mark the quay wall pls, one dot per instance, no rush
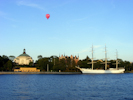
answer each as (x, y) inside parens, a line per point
(40, 73)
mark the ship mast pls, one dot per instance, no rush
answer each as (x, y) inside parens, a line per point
(92, 57)
(116, 59)
(92, 62)
(105, 58)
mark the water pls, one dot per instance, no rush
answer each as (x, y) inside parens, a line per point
(67, 87)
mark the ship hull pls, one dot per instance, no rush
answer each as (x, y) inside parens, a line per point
(100, 71)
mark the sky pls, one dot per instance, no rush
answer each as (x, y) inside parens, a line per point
(73, 27)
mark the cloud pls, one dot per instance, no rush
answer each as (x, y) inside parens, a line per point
(89, 49)
(97, 46)
(29, 4)
(6, 16)
(83, 51)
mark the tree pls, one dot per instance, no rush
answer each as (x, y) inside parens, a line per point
(131, 66)
(31, 64)
(42, 64)
(53, 59)
(61, 65)
(1, 63)
(88, 59)
(83, 63)
(98, 65)
(11, 57)
(68, 62)
(5, 58)
(5, 63)
(8, 65)
(127, 66)
(39, 57)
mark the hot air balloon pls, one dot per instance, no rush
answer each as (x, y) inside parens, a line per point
(47, 16)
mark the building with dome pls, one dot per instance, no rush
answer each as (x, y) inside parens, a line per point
(23, 59)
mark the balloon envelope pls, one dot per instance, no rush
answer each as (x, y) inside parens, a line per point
(47, 16)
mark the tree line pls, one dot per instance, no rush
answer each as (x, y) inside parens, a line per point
(65, 65)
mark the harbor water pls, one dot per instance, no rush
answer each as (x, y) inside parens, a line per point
(67, 87)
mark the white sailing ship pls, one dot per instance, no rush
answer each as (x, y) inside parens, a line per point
(102, 71)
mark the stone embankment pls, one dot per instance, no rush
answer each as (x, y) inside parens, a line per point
(60, 73)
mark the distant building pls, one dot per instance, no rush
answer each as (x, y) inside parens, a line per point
(23, 59)
(76, 59)
(26, 69)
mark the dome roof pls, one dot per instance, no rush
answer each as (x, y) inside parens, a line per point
(23, 59)
(24, 54)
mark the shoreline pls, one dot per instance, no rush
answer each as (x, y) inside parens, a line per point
(56, 73)
(60, 73)
(128, 72)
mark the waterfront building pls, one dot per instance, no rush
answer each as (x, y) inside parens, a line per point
(76, 59)
(26, 69)
(23, 59)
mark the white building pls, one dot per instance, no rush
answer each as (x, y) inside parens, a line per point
(23, 59)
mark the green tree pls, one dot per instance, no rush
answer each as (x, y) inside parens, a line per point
(11, 57)
(42, 64)
(31, 64)
(39, 57)
(127, 65)
(5, 63)
(8, 65)
(61, 65)
(131, 66)
(98, 65)
(54, 59)
(83, 63)
(1, 63)
(68, 62)
(88, 59)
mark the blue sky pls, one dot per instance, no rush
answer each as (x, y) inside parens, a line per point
(73, 26)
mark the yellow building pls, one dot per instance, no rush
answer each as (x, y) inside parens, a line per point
(26, 69)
